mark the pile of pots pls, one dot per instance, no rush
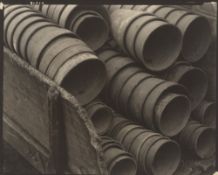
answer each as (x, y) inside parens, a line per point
(199, 139)
(57, 52)
(195, 29)
(154, 153)
(133, 68)
(205, 113)
(90, 23)
(145, 38)
(101, 116)
(159, 105)
(193, 78)
(118, 161)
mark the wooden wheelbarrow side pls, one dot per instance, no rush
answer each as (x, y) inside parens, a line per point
(46, 124)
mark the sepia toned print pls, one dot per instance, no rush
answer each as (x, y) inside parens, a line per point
(110, 89)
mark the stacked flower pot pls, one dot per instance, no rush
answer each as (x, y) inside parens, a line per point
(133, 68)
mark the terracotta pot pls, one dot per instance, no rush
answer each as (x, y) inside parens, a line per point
(118, 161)
(154, 97)
(139, 96)
(29, 32)
(51, 10)
(58, 46)
(57, 13)
(172, 113)
(101, 116)
(148, 39)
(95, 37)
(199, 139)
(205, 113)
(10, 15)
(119, 81)
(15, 23)
(193, 78)
(39, 42)
(195, 30)
(20, 31)
(128, 89)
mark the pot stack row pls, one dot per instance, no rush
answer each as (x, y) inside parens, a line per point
(90, 23)
(156, 153)
(166, 46)
(56, 52)
(147, 96)
(168, 108)
(192, 44)
(157, 104)
(131, 149)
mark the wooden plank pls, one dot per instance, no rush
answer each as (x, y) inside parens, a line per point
(57, 160)
(76, 133)
(25, 100)
(26, 103)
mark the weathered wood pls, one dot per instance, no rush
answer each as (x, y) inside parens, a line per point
(26, 103)
(25, 99)
(56, 132)
(76, 133)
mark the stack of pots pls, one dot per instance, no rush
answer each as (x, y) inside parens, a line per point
(195, 29)
(154, 153)
(90, 23)
(193, 78)
(101, 116)
(10, 12)
(158, 104)
(198, 139)
(205, 113)
(55, 51)
(146, 38)
(155, 37)
(118, 161)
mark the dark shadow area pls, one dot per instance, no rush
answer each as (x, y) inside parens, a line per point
(14, 163)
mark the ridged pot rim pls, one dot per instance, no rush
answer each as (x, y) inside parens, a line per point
(160, 113)
(107, 120)
(121, 159)
(160, 144)
(197, 136)
(69, 67)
